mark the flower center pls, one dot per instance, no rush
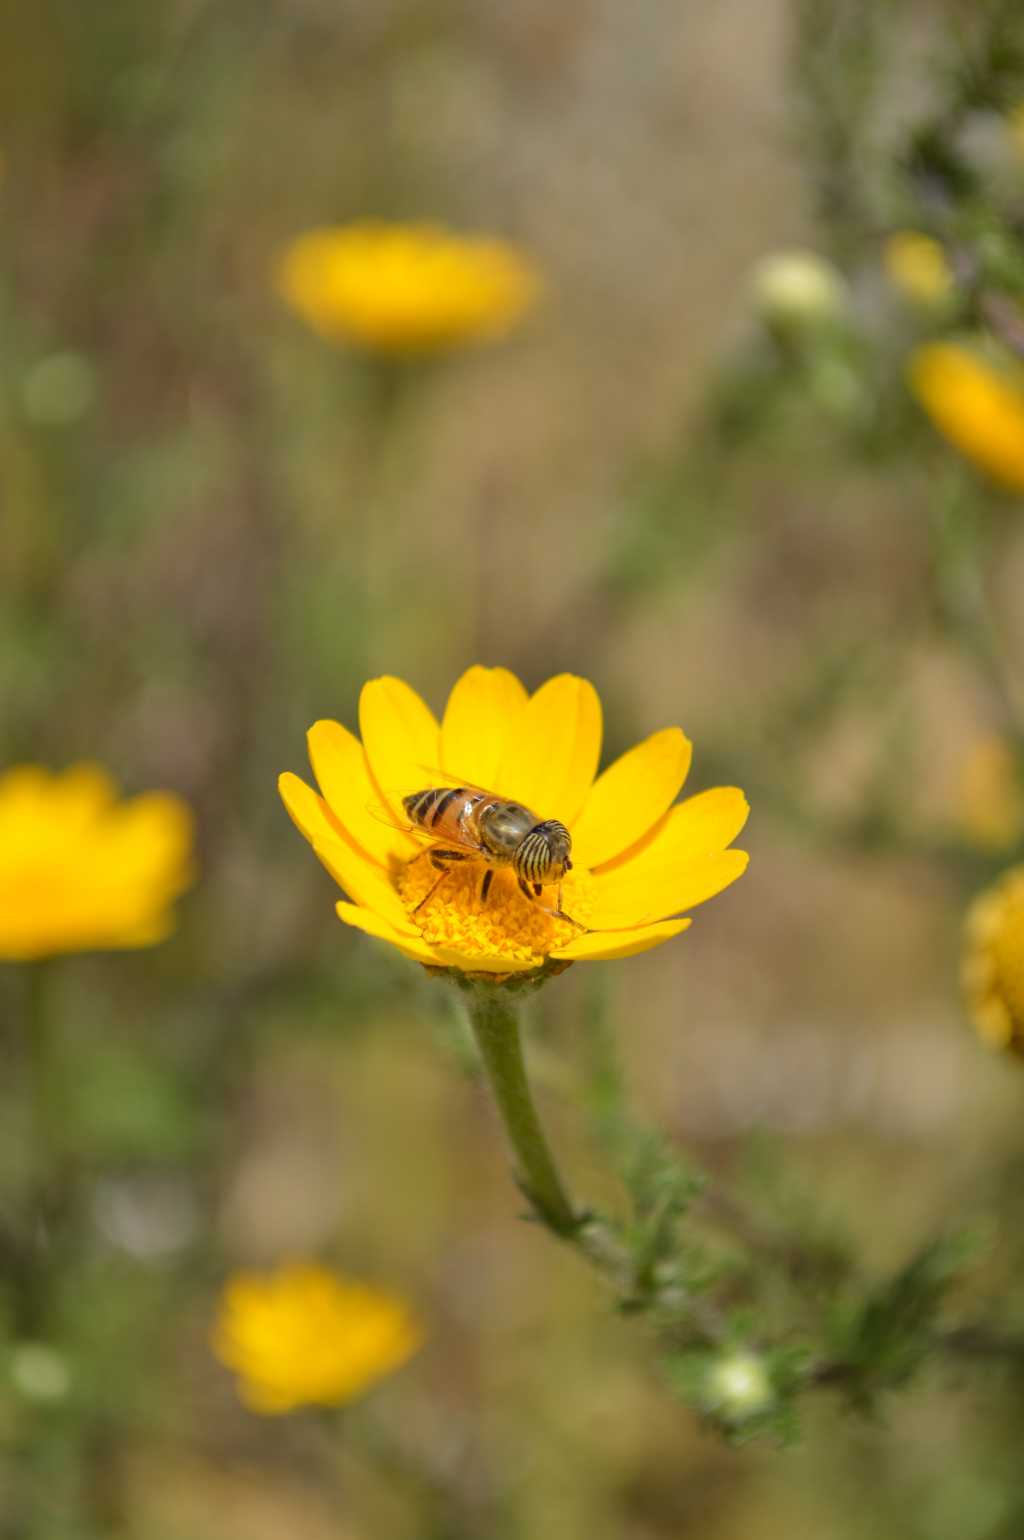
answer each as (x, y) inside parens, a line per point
(457, 916)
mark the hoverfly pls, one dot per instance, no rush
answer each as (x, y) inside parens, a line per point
(471, 824)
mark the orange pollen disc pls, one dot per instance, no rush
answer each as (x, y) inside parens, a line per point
(506, 924)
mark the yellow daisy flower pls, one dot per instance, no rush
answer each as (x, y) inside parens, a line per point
(80, 870)
(637, 859)
(304, 1336)
(405, 289)
(917, 265)
(976, 404)
(993, 962)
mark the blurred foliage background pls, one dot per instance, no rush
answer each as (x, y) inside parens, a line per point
(712, 494)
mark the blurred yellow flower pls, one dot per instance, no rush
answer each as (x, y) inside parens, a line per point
(304, 1336)
(990, 795)
(993, 962)
(405, 289)
(917, 265)
(976, 404)
(80, 870)
(637, 858)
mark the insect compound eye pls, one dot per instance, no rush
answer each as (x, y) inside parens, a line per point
(551, 843)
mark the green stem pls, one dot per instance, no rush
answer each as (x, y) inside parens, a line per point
(45, 1176)
(52, 1177)
(386, 383)
(39, 1058)
(495, 1020)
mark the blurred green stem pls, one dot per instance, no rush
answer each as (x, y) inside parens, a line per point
(47, 1176)
(405, 1463)
(960, 581)
(494, 1016)
(387, 384)
(41, 1065)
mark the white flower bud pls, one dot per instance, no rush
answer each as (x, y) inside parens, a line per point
(738, 1385)
(798, 288)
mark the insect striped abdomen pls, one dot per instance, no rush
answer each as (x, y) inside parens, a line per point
(440, 811)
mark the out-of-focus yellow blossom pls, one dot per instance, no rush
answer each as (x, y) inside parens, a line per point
(917, 265)
(80, 870)
(990, 796)
(304, 1336)
(977, 404)
(993, 962)
(405, 289)
(638, 856)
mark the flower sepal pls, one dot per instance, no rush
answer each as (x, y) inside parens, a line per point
(514, 983)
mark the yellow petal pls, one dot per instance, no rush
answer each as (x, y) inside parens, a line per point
(150, 838)
(339, 764)
(598, 944)
(86, 788)
(362, 879)
(630, 796)
(364, 882)
(373, 925)
(307, 811)
(401, 738)
(679, 864)
(697, 827)
(480, 719)
(551, 761)
(627, 898)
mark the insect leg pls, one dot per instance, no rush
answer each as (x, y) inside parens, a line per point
(431, 890)
(557, 913)
(485, 886)
(560, 912)
(442, 862)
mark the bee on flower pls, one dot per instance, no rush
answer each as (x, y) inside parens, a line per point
(496, 833)
(513, 853)
(81, 870)
(303, 1335)
(405, 289)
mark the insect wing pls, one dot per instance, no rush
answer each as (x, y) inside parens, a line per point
(442, 778)
(384, 815)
